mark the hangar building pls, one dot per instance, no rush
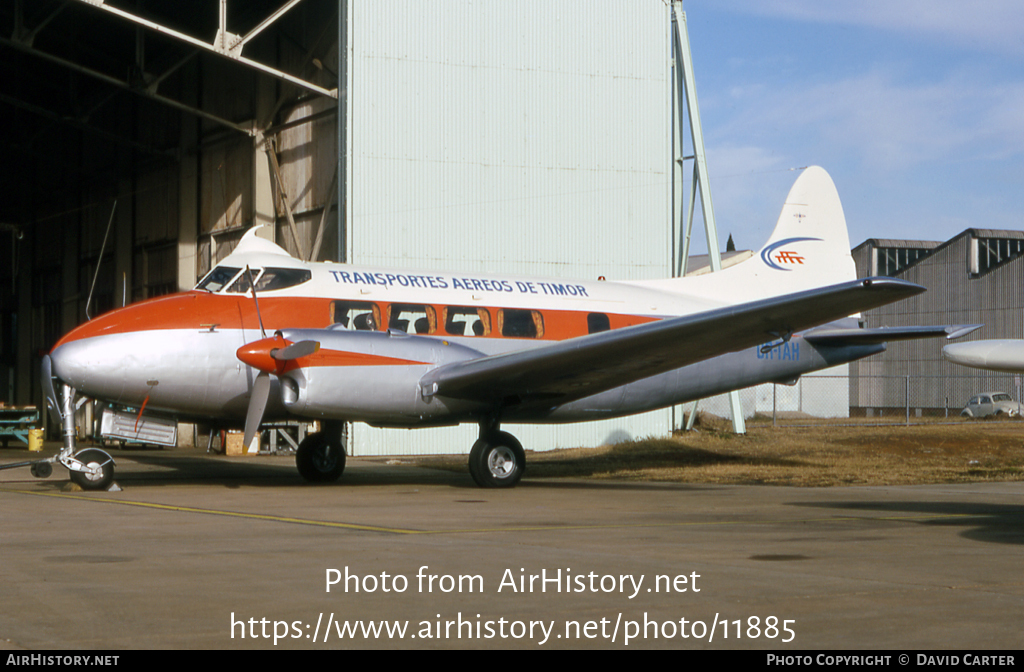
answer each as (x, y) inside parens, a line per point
(976, 277)
(526, 136)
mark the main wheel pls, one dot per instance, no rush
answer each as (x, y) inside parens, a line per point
(497, 461)
(93, 458)
(319, 459)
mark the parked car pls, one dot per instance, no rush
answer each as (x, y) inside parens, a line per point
(991, 403)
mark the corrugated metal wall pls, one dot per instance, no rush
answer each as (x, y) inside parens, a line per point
(526, 136)
(954, 296)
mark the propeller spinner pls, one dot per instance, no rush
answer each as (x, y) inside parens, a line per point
(268, 356)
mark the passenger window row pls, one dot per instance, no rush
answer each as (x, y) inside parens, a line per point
(448, 320)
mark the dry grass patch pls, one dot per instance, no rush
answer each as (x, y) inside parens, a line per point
(824, 455)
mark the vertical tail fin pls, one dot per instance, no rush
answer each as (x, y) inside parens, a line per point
(809, 248)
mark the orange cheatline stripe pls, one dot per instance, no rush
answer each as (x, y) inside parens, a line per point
(201, 310)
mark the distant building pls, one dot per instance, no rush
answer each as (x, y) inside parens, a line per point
(976, 277)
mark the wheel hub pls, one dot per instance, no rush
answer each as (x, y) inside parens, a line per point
(501, 462)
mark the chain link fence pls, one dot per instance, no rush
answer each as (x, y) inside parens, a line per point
(869, 400)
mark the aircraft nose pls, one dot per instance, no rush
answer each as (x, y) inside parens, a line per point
(81, 364)
(997, 355)
(966, 354)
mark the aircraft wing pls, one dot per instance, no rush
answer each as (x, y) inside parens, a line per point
(839, 337)
(579, 367)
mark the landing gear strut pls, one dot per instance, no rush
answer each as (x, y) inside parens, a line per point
(497, 459)
(320, 457)
(92, 468)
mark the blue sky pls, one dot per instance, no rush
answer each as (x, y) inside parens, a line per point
(915, 107)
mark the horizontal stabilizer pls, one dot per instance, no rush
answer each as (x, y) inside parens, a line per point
(839, 337)
(583, 366)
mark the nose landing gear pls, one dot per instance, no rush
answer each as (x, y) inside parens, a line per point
(90, 469)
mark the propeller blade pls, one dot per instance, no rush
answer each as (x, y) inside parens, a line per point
(296, 350)
(257, 405)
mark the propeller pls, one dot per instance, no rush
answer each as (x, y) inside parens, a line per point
(268, 356)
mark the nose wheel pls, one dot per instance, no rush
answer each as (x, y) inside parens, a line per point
(91, 469)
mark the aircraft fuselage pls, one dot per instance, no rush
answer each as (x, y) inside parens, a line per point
(177, 353)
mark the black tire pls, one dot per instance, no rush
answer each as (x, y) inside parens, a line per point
(474, 458)
(41, 469)
(319, 459)
(94, 457)
(497, 461)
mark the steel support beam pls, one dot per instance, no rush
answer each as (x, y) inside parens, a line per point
(686, 95)
(236, 46)
(212, 48)
(271, 148)
(113, 81)
(343, 246)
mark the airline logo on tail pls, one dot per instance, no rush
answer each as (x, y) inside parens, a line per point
(772, 258)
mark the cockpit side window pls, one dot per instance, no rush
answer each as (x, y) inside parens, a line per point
(280, 278)
(242, 283)
(217, 278)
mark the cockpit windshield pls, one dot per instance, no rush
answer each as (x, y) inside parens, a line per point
(266, 279)
(217, 278)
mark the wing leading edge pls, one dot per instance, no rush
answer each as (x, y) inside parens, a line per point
(583, 366)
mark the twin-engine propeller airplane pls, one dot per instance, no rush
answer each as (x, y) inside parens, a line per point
(409, 349)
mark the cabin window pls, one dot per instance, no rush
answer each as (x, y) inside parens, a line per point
(516, 323)
(467, 321)
(217, 278)
(597, 322)
(412, 318)
(358, 315)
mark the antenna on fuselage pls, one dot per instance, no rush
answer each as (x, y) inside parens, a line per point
(99, 261)
(248, 272)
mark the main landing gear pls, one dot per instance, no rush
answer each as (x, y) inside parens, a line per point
(320, 457)
(497, 459)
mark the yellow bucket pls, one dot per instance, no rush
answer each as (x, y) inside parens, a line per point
(35, 440)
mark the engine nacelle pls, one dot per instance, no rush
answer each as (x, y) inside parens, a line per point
(370, 376)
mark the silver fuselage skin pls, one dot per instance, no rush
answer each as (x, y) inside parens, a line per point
(193, 372)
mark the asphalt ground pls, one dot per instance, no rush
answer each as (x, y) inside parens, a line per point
(208, 552)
